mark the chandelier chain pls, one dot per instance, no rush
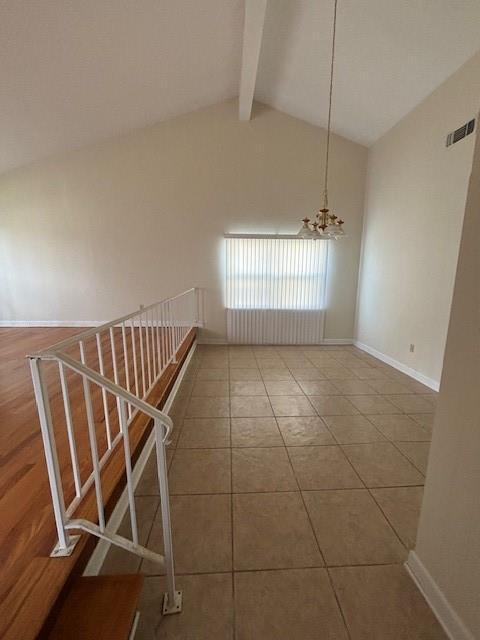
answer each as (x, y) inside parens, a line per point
(327, 153)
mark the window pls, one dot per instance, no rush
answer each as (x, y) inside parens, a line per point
(271, 273)
(275, 290)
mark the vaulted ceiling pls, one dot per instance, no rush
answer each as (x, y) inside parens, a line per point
(74, 72)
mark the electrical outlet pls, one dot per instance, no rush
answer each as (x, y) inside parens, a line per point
(412, 348)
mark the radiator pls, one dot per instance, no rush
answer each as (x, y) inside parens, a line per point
(275, 326)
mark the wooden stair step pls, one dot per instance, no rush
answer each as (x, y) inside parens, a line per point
(98, 608)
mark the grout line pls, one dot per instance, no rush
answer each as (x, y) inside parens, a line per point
(339, 604)
(234, 626)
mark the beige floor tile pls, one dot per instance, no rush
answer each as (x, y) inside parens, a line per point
(199, 433)
(255, 432)
(380, 464)
(417, 453)
(324, 361)
(283, 388)
(383, 603)
(307, 373)
(245, 375)
(208, 408)
(247, 388)
(220, 362)
(297, 363)
(337, 373)
(351, 529)
(333, 405)
(352, 429)
(118, 561)
(242, 363)
(292, 406)
(207, 609)
(401, 505)
(263, 469)
(148, 483)
(278, 374)
(322, 468)
(270, 363)
(294, 604)
(400, 427)
(418, 387)
(250, 407)
(389, 387)
(212, 374)
(200, 471)
(413, 403)
(425, 419)
(272, 531)
(210, 389)
(347, 359)
(201, 533)
(354, 387)
(369, 373)
(303, 431)
(374, 405)
(319, 387)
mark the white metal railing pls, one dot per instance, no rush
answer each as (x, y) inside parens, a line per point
(95, 384)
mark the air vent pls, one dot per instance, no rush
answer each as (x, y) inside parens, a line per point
(460, 133)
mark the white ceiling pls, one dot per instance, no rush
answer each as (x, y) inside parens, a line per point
(76, 71)
(390, 55)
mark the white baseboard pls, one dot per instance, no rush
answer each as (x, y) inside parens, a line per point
(416, 375)
(325, 341)
(98, 556)
(443, 610)
(51, 323)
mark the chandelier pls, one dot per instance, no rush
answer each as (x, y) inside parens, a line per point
(326, 224)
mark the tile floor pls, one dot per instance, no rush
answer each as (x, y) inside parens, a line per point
(296, 479)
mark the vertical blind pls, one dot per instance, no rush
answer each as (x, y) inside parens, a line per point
(275, 290)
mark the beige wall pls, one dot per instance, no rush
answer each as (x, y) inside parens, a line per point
(448, 541)
(90, 235)
(415, 200)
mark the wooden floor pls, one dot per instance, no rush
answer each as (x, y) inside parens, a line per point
(30, 581)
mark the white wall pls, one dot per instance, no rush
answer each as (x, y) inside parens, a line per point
(91, 234)
(415, 200)
(447, 554)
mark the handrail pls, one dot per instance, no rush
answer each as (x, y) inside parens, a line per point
(115, 389)
(83, 335)
(124, 359)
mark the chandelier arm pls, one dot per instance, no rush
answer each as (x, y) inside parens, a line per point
(327, 153)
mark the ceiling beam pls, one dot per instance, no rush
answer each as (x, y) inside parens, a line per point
(252, 42)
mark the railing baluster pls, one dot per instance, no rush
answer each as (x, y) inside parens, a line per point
(142, 357)
(126, 364)
(104, 393)
(128, 470)
(152, 338)
(115, 366)
(50, 449)
(165, 357)
(159, 351)
(134, 354)
(165, 508)
(147, 340)
(70, 433)
(154, 346)
(172, 333)
(114, 356)
(92, 435)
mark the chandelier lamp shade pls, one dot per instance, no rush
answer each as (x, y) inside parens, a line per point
(326, 225)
